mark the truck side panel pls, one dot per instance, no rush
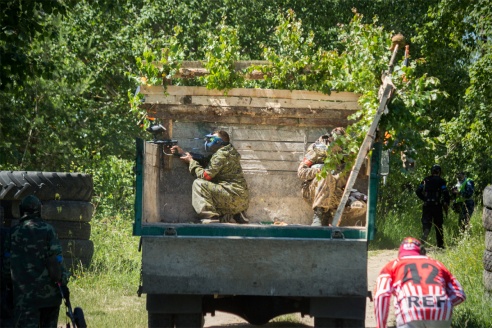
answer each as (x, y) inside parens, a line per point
(254, 266)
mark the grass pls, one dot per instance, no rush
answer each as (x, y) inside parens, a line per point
(107, 291)
(465, 261)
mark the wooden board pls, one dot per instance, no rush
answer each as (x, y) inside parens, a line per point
(151, 183)
(270, 94)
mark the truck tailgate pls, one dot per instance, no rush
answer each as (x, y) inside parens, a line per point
(312, 267)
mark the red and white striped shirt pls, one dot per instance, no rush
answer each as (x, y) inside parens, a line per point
(424, 289)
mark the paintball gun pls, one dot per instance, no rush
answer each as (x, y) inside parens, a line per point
(77, 315)
(157, 131)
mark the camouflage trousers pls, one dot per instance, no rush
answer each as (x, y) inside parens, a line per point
(212, 200)
(46, 317)
(325, 193)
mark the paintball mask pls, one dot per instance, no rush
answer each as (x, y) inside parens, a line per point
(213, 143)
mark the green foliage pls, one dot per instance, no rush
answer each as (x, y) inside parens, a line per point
(467, 135)
(296, 63)
(222, 51)
(23, 23)
(291, 55)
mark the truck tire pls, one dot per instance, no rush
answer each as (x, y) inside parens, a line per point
(71, 230)
(189, 320)
(487, 280)
(160, 320)
(77, 252)
(15, 185)
(320, 322)
(67, 211)
(487, 196)
(487, 260)
(487, 218)
(488, 240)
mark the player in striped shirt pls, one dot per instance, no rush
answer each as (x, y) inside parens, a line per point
(425, 291)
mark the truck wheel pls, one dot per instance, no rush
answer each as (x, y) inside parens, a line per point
(189, 320)
(15, 185)
(160, 320)
(337, 323)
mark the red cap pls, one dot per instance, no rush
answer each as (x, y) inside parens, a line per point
(409, 247)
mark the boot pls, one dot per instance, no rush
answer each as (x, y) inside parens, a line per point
(226, 218)
(327, 218)
(425, 234)
(318, 215)
(241, 218)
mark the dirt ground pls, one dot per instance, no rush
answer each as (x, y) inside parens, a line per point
(377, 260)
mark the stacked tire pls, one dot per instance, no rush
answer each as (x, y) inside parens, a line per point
(66, 205)
(487, 223)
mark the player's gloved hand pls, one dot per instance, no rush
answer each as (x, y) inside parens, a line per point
(317, 166)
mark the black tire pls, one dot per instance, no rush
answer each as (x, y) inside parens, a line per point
(487, 280)
(488, 240)
(487, 196)
(60, 210)
(320, 322)
(189, 320)
(71, 230)
(487, 260)
(15, 185)
(77, 248)
(487, 218)
(67, 211)
(160, 320)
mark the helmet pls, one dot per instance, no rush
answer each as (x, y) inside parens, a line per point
(30, 204)
(436, 169)
(410, 246)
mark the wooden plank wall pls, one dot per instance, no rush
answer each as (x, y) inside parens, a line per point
(271, 148)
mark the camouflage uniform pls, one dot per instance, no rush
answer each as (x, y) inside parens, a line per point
(220, 187)
(37, 298)
(324, 193)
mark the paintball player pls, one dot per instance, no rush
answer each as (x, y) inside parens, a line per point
(463, 203)
(425, 290)
(36, 269)
(219, 191)
(435, 195)
(323, 194)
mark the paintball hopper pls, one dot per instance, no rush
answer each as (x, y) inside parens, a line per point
(157, 130)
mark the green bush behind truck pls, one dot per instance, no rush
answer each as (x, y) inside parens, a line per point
(263, 269)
